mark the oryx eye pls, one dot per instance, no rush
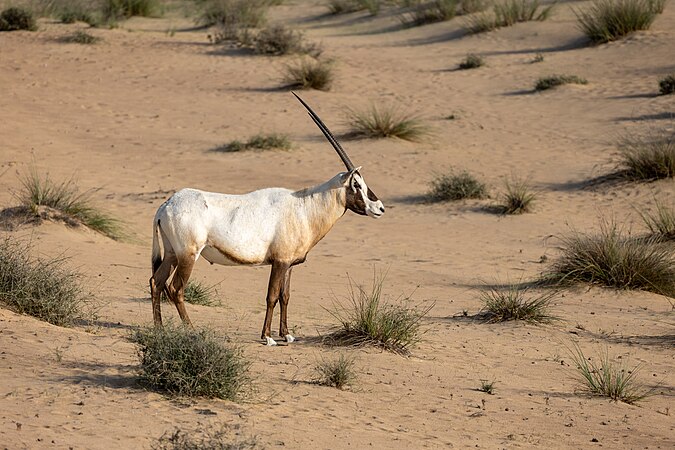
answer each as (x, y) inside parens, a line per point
(357, 185)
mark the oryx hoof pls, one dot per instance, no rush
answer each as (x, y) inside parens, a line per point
(289, 338)
(270, 342)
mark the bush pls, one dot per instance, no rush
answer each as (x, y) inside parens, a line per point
(557, 80)
(257, 142)
(74, 207)
(508, 13)
(116, 9)
(422, 13)
(223, 438)
(278, 40)
(607, 379)
(234, 14)
(77, 15)
(386, 122)
(12, 19)
(661, 224)
(45, 289)
(338, 373)
(608, 20)
(647, 157)
(456, 186)
(667, 85)
(81, 37)
(368, 318)
(610, 258)
(516, 304)
(348, 6)
(309, 74)
(518, 198)
(472, 61)
(187, 362)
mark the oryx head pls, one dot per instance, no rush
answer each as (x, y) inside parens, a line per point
(360, 198)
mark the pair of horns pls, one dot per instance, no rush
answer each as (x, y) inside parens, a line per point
(326, 132)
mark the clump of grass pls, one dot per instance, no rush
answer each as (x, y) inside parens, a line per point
(15, 18)
(257, 142)
(456, 186)
(518, 197)
(338, 372)
(516, 303)
(234, 14)
(386, 122)
(552, 81)
(369, 318)
(81, 37)
(38, 192)
(117, 9)
(472, 6)
(472, 61)
(612, 258)
(604, 378)
(309, 74)
(43, 288)
(191, 362)
(422, 13)
(508, 13)
(609, 20)
(487, 386)
(279, 40)
(647, 157)
(223, 438)
(537, 58)
(661, 224)
(667, 85)
(349, 6)
(198, 293)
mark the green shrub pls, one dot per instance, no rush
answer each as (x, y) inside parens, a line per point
(14, 18)
(43, 288)
(309, 74)
(472, 61)
(667, 85)
(552, 81)
(386, 122)
(187, 362)
(257, 142)
(198, 293)
(368, 318)
(611, 258)
(338, 372)
(516, 303)
(456, 186)
(487, 386)
(647, 157)
(608, 20)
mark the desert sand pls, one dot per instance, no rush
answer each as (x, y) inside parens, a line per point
(135, 116)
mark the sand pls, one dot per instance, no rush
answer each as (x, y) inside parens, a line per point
(134, 118)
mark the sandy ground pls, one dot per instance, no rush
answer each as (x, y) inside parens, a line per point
(135, 116)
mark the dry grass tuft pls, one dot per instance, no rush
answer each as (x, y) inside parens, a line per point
(386, 122)
(609, 20)
(472, 61)
(258, 142)
(516, 303)
(661, 224)
(456, 186)
(647, 157)
(552, 81)
(518, 197)
(310, 74)
(222, 438)
(337, 372)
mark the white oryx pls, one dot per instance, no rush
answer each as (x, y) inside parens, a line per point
(273, 226)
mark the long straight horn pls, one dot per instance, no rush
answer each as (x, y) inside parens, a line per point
(326, 132)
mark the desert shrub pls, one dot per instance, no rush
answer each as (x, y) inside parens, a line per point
(648, 156)
(77, 15)
(198, 293)
(309, 74)
(605, 378)
(348, 6)
(257, 142)
(472, 6)
(518, 197)
(43, 288)
(516, 303)
(279, 40)
(65, 198)
(81, 37)
(667, 85)
(456, 186)
(552, 81)
(233, 15)
(612, 258)
(508, 13)
(15, 18)
(487, 386)
(223, 438)
(609, 20)
(537, 58)
(386, 122)
(116, 9)
(190, 362)
(337, 372)
(425, 12)
(367, 317)
(661, 224)
(472, 61)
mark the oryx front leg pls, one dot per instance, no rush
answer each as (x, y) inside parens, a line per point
(274, 291)
(284, 298)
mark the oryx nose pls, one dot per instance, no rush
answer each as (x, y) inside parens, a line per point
(382, 208)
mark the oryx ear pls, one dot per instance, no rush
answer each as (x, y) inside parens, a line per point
(347, 176)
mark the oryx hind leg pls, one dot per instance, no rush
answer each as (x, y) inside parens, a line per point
(178, 284)
(158, 285)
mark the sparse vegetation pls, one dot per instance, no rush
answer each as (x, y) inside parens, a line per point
(661, 224)
(118, 9)
(70, 205)
(537, 58)
(612, 258)
(43, 288)
(507, 13)
(425, 12)
(516, 303)
(348, 6)
(278, 40)
(309, 74)
(198, 293)
(386, 122)
(81, 37)
(647, 157)
(472, 6)
(472, 61)
(518, 197)
(487, 386)
(456, 186)
(77, 15)
(187, 362)
(557, 80)
(609, 20)
(233, 15)
(605, 378)
(369, 318)
(667, 85)
(223, 438)
(15, 18)
(257, 142)
(337, 372)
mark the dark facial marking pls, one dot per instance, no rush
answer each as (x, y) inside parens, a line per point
(355, 202)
